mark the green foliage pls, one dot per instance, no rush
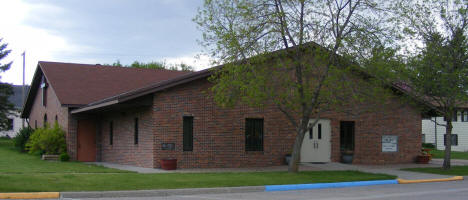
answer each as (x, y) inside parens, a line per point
(47, 141)
(303, 57)
(156, 65)
(428, 145)
(64, 157)
(6, 107)
(436, 70)
(22, 138)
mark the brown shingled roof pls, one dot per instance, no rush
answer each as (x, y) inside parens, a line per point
(81, 84)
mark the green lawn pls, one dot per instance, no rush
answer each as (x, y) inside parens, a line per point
(454, 154)
(12, 161)
(20, 172)
(455, 170)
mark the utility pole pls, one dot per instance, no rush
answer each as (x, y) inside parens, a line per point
(24, 89)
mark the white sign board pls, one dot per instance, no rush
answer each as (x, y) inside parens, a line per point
(389, 143)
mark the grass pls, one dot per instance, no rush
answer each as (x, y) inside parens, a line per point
(12, 161)
(455, 170)
(454, 154)
(20, 172)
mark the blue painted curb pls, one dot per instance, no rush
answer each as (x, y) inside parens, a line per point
(270, 188)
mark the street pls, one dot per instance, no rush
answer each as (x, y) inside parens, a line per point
(454, 190)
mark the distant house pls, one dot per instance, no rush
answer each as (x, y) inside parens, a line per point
(15, 121)
(435, 134)
(140, 116)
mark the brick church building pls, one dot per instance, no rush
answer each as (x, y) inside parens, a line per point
(137, 117)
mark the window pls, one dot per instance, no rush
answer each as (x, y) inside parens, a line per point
(56, 118)
(254, 134)
(454, 139)
(10, 124)
(319, 131)
(347, 135)
(464, 116)
(44, 91)
(311, 133)
(111, 133)
(35, 124)
(45, 120)
(136, 131)
(188, 133)
(454, 117)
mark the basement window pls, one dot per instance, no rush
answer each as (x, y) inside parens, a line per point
(253, 134)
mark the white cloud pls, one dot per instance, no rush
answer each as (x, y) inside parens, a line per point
(39, 44)
(199, 62)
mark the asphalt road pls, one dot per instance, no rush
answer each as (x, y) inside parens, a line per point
(455, 190)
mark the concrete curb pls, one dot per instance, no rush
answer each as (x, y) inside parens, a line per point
(30, 195)
(159, 193)
(455, 178)
(220, 190)
(270, 188)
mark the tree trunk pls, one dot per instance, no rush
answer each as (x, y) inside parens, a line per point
(296, 153)
(448, 144)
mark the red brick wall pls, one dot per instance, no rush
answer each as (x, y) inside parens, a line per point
(53, 108)
(219, 135)
(123, 150)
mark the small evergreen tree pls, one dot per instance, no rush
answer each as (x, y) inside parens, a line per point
(6, 107)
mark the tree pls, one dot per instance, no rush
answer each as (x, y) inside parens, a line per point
(437, 70)
(315, 45)
(6, 107)
(156, 65)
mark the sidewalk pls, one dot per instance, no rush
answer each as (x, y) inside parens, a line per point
(384, 169)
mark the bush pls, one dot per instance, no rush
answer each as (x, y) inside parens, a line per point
(5, 137)
(47, 141)
(22, 138)
(428, 145)
(64, 157)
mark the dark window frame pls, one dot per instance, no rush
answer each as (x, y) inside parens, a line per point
(254, 141)
(44, 91)
(454, 116)
(45, 121)
(464, 116)
(111, 133)
(136, 131)
(187, 133)
(11, 124)
(454, 138)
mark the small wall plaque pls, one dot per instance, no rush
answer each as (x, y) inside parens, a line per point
(389, 143)
(167, 146)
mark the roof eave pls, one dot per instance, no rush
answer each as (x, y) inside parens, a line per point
(146, 90)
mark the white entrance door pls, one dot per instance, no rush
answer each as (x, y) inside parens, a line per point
(316, 145)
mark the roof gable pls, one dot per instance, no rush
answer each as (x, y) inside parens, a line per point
(80, 84)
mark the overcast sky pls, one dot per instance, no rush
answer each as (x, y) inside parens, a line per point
(99, 31)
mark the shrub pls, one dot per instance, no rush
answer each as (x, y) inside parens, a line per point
(64, 156)
(5, 137)
(47, 141)
(428, 145)
(22, 138)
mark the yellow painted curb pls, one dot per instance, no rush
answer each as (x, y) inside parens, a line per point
(455, 178)
(30, 195)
